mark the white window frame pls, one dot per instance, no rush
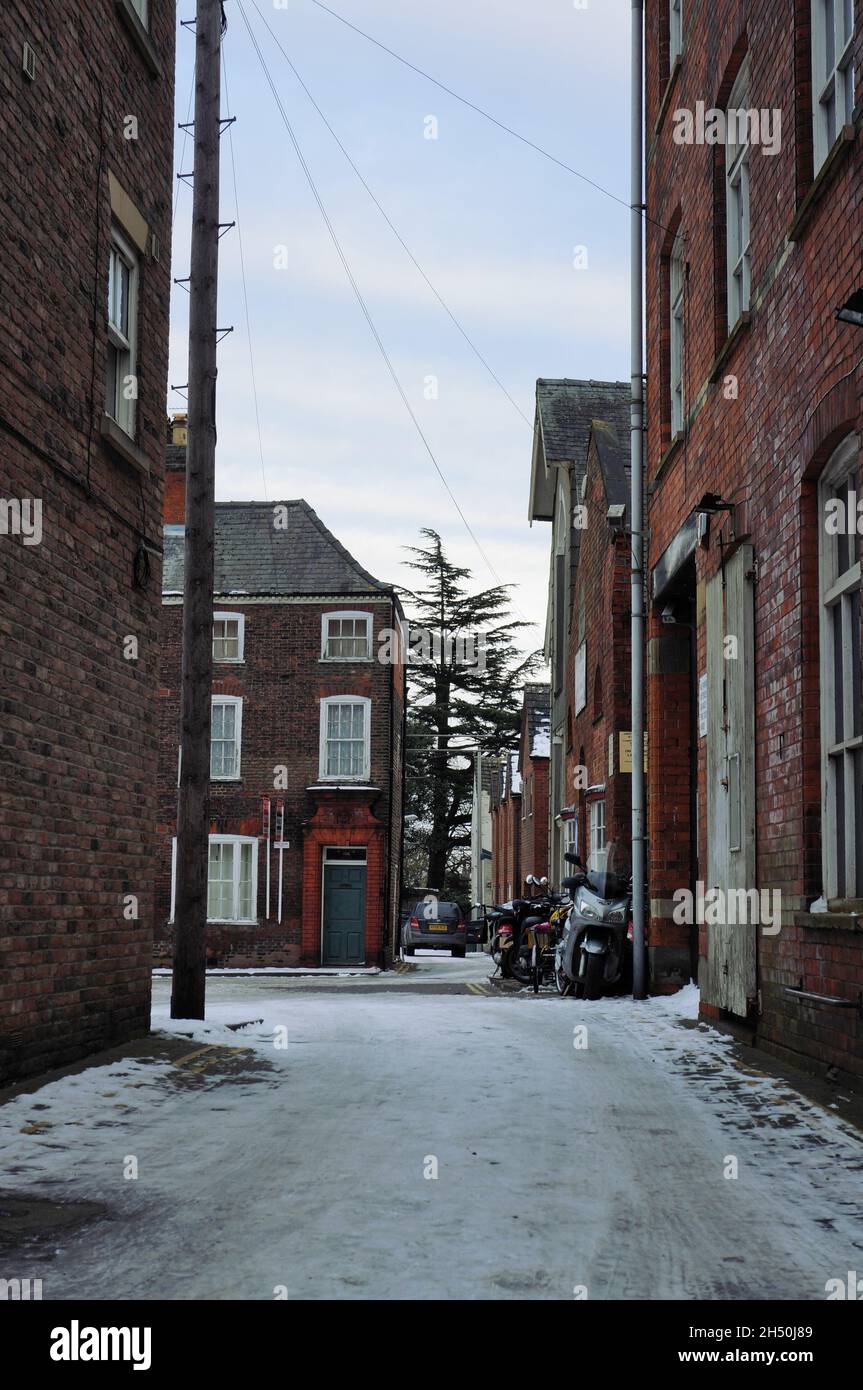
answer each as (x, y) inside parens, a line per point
(334, 777)
(237, 702)
(737, 219)
(570, 839)
(122, 411)
(240, 620)
(595, 831)
(327, 618)
(832, 73)
(236, 840)
(677, 302)
(840, 805)
(675, 30)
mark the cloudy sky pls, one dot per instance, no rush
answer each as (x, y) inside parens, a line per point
(493, 224)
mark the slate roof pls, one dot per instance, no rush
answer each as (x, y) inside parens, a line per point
(567, 408)
(255, 557)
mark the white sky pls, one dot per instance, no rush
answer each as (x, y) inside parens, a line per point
(492, 223)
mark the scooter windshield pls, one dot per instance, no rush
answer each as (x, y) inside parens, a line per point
(609, 869)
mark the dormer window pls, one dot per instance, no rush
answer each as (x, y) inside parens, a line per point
(346, 637)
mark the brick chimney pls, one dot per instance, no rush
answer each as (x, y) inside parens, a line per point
(174, 512)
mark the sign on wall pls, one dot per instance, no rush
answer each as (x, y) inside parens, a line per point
(626, 751)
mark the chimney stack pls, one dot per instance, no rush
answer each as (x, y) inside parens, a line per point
(174, 512)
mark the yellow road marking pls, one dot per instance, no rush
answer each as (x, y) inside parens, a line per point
(210, 1047)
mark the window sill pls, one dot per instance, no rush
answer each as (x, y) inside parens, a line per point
(829, 921)
(121, 444)
(666, 459)
(729, 345)
(344, 660)
(837, 156)
(226, 779)
(342, 787)
(139, 36)
(233, 922)
(666, 95)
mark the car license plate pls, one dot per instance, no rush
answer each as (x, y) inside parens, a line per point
(437, 926)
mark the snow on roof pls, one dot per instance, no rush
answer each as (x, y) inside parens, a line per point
(515, 775)
(541, 745)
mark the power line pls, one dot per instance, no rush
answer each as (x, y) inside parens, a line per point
(359, 295)
(439, 297)
(480, 111)
(183, 151)
(243, 275)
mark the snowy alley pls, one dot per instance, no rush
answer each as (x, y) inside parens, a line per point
(415, 1137)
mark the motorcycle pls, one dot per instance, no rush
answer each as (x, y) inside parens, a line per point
(542, 941)
(594, 953)
(509, 926)
(531, 959)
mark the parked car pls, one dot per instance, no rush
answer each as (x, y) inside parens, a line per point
(434, 925)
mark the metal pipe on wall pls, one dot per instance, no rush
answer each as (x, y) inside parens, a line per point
(639, 971)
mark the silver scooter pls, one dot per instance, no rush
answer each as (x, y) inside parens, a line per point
(594, 955)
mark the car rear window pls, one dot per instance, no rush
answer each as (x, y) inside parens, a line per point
(443, 912)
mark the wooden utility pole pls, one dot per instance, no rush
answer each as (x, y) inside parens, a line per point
(193, 796)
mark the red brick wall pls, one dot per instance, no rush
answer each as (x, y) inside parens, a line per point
(533, 852)
(506, 848)
(799, 393)
(282, 681)
(77, 813)
(603, 573)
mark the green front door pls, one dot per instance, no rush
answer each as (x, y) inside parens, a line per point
(344, 914)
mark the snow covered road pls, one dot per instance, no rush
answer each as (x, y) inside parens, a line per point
(597, 1164)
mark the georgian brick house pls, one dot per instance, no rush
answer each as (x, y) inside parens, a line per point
(85, 279)
(307, 739)
(754, 421)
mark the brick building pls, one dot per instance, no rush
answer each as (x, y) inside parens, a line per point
(507, 877)
(534, 755)
(520, 800)
(577, 651)
(755, 778)
(86, 173)
(308, 728)
(598, 673)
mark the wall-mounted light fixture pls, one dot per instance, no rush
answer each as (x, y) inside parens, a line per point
(852, 310)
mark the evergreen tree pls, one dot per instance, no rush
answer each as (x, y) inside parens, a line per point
(466, 675)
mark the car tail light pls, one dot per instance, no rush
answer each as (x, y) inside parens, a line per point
(415, 925)
(629, 930)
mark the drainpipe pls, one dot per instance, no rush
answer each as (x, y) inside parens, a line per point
(639, 970)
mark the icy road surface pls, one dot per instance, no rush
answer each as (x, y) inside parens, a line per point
(415, 1145)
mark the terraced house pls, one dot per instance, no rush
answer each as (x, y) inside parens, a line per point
(566, 411)
(307, 739)
(755, 412)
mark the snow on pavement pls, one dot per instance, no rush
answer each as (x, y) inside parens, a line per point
(565, 1160)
